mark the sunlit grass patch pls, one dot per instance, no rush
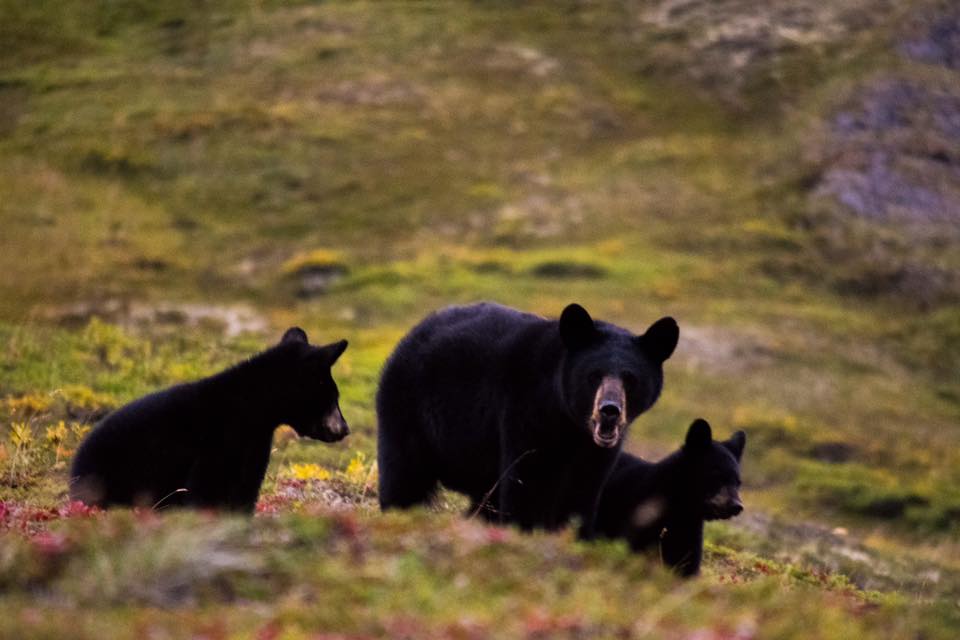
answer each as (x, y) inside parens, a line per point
(309, 471)
(315, 259)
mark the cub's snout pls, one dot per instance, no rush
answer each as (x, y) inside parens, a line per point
(726, 503)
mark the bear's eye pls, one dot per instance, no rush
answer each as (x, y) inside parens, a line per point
(594, 378)
(629, 380)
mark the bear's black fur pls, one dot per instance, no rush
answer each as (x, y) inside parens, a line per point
(211, 437)
(522, 414)
(666, 502)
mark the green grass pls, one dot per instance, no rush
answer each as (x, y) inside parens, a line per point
(369, 576)
(166, 167)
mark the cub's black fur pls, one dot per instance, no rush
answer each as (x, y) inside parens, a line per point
(211, 437)
(522, 414)
(665, 503)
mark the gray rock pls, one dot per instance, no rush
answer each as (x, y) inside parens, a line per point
(935, 39)
(893, 152)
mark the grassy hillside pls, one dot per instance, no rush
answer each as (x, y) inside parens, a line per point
(181, 181)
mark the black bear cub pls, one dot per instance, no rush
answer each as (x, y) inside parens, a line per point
(665, 503)
(207, 443)
(523, 414)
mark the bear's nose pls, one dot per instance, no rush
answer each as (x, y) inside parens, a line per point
(610, 410)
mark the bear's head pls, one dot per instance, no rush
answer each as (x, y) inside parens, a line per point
(710, 472)
(611, 376)
(312, 397)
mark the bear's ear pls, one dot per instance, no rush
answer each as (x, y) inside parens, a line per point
(331, 352)
(576, 326)
(294, 334)
(699, 435)
(736, 443)
(660, 339)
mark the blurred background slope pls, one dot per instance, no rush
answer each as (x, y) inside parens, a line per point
(179, 181)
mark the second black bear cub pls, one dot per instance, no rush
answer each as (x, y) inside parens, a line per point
(665, 503)
(207, 443)
(523, 414)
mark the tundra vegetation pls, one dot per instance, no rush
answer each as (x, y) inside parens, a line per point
(179, 181)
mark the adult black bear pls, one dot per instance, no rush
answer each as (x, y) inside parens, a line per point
(522, 414)
(666, 502)
(207, 443)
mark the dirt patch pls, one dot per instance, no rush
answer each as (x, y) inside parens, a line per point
(375, 91)
(718, 350)
(232, 320)
(520, 59)
(316, 280)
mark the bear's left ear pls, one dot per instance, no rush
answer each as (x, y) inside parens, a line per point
(332, 352)
(660, 339)
(736, 443)
(294, 334)
(699, 435)
(576, 326)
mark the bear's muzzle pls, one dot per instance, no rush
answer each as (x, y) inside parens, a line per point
(334, 427)
(724, 504)
(609, 412)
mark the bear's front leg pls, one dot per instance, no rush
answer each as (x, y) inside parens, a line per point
(588, 520)
(206, 486)
(681, 546)
(228, 475)
(521, 497)
(585, 486)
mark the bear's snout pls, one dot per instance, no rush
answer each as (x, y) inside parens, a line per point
(334, 427)
(610, 411)
(607, 420)
(724, 504)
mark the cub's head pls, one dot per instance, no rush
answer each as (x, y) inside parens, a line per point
(313, 408)
(711, 471)
(611, 376)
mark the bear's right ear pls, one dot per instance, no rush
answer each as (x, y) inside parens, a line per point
(576, 326)
(699, 435)
(736, 443)
(660, 339)
(294, 334)
(332, 352)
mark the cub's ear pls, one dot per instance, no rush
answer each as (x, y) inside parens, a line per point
(576, 326)
(660, 339)
(294, 334)
(736, 443)
(699, 435)
(333, 351)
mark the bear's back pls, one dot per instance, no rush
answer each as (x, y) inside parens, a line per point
(447, 384)
(486, 323)
(475, 340)
(141, 448)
